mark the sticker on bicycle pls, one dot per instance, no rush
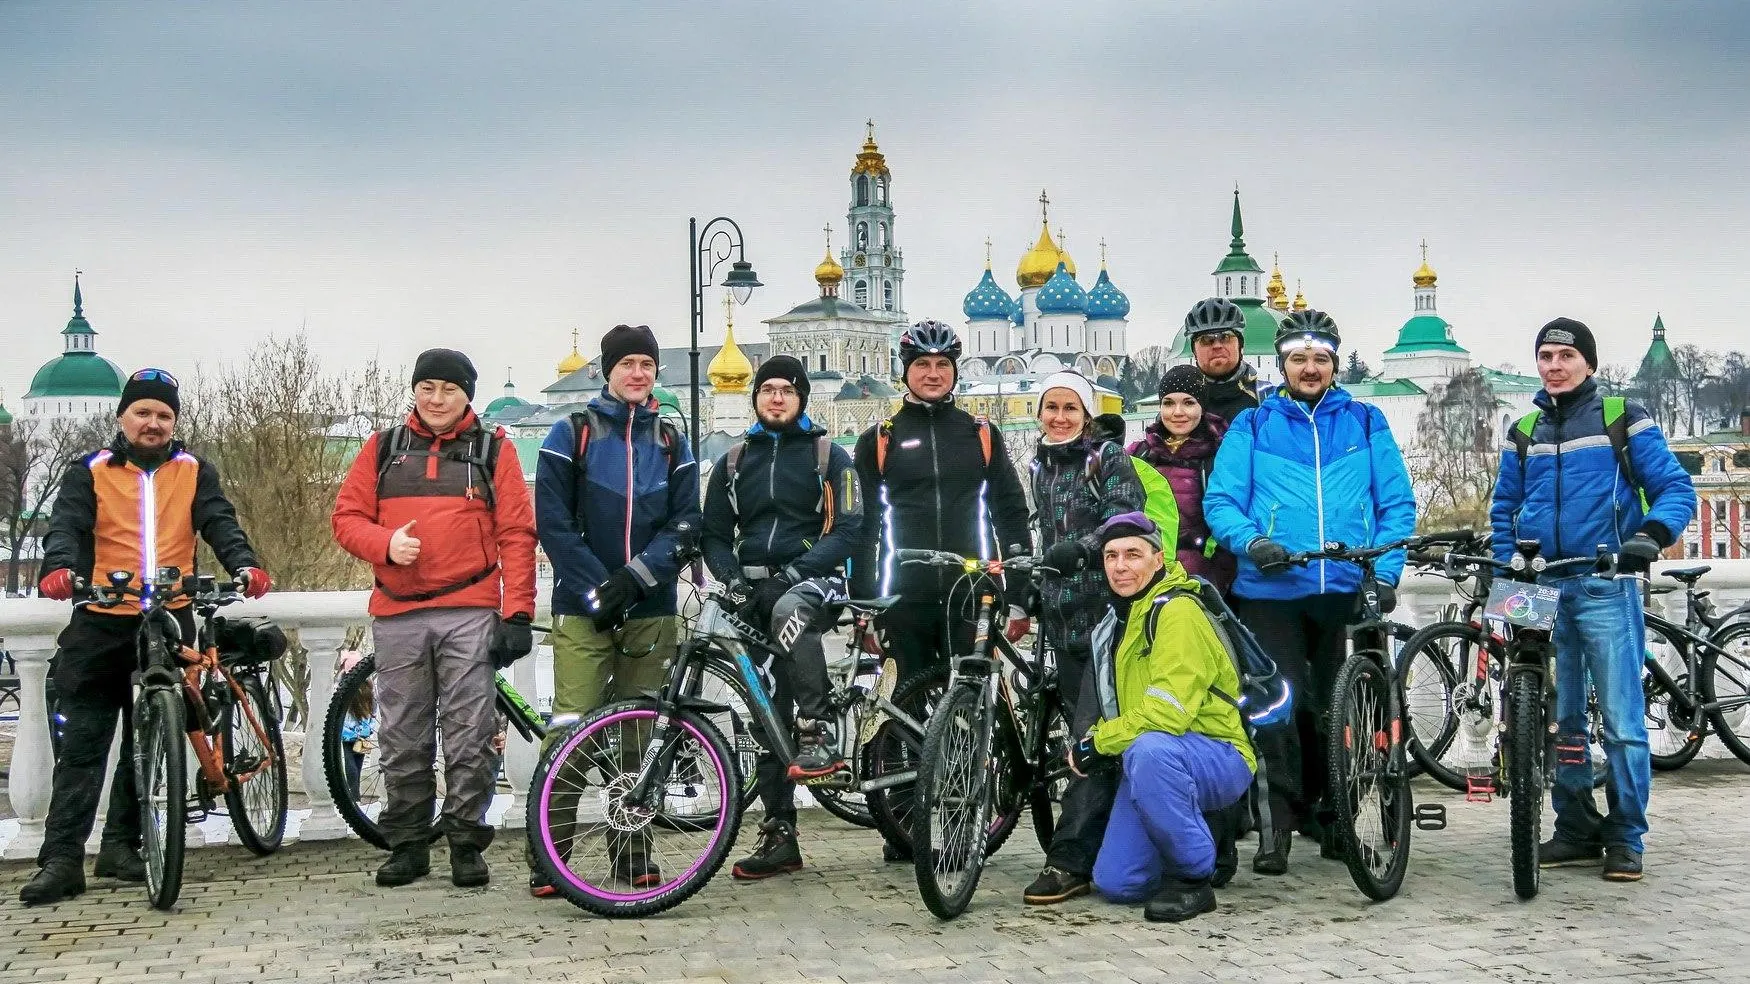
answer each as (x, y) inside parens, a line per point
(1531, 606)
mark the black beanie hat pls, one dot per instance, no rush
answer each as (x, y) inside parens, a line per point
(787, 368)
(1186, 379)
(624, 340)
(447, 365)
(1567, 331)
(150, 384)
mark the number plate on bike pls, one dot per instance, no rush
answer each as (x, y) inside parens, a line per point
(1531, 606)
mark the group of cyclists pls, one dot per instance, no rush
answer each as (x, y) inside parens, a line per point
(1220, 493)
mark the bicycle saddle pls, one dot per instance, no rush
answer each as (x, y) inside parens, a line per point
(871, 605)
(1688, 575)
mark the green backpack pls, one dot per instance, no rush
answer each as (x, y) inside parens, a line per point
(1615, 427)
(1158, 502)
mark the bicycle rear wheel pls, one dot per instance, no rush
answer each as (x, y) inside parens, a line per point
(161, 780)
(1370, 790)
(1046, 798)
(956, 783)
(1725, 681)
(620, 859)
(1525, 775)
(257, 805)
(1674, 735)
(896, 749)
(360, 800)
(1435, 671)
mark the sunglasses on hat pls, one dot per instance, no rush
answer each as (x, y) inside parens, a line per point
(149, 375)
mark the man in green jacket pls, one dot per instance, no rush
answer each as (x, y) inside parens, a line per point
(1161, 671)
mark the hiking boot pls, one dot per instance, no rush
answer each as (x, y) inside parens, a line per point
(1559, 853)
(407, 863)
(1178, 901)
(1622, 863)
(817, 753)
(1056, 885)
(1272, 856)
(60, 878)
(467, 867)
(1222, 824)
(540, 887)
(776, 853)
(892, 853)
(637, 870)
(121, 862)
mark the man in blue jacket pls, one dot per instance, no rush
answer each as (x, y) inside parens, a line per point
(782, 514)
(616, 495)
(1308, 466)
(1576, 487)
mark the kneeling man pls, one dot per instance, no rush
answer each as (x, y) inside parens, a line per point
(1161, 672)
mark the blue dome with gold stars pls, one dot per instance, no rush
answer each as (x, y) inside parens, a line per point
(1105, 300)
(1062, 295)
(987, 300)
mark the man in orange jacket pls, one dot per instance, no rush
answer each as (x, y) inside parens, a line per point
(437, 505)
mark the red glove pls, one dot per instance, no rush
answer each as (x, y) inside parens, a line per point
(256, 583)
(56, 584)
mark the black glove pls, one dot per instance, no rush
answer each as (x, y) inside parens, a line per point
(736, 593)
(511, 640)
(1638, 554)
(1066, 557)
(757, 612)
(1388, 597)
(1084, 759)
(608, 603)
(1032, 602)
(1269, 555)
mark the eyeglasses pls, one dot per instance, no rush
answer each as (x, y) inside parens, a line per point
(148, 375)
(779, 390)
(1215, 338)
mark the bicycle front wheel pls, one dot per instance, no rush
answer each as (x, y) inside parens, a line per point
(955, 788)
(255, 771)
(624, 859)
(1525, 773)
(1370, 790)
(161, 780)
(1725, 684)
(1435, 669)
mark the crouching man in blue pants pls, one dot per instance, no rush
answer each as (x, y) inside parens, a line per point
(1161, 672)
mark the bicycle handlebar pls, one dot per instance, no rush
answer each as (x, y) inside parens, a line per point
(163, 592)
(1340, 552)
(1021, 564)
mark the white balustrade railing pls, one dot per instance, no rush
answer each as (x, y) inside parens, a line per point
(28, 628)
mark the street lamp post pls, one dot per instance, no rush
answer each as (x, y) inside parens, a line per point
(708, 249)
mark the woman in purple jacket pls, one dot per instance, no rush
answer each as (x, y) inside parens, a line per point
(1181, 446)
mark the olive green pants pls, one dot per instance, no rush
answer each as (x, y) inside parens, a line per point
(593, 668)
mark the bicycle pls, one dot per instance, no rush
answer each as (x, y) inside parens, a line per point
(997, 741)
(198, 691)
(1710, 649)
(1367, 765)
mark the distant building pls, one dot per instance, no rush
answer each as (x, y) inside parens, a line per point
(1720, 463)
(78, 383)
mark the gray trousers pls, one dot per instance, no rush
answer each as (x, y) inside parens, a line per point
(434, 674)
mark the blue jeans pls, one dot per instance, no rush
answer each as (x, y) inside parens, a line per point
(1157, 827)
(1600, 637)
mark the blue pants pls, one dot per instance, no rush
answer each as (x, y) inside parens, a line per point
(1157, 828)
(1600, 635)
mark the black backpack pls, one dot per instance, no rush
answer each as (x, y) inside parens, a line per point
(400, 441)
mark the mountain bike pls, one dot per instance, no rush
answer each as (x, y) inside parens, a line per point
(996, 743)
(213, 696)
(1696, 677)
(1368, 767)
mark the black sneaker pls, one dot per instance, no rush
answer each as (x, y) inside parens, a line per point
(892, 853)
(817, 753)
(1559, 853)
(467, 867)
(1178, 901)
(1056, 885)
(121, 862)
(60, 878)
(1622, 863)
(1272, 856)
(407, 863)
(776, 853)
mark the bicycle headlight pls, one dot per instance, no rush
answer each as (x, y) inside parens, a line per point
(1517, 563)
(1538, 564)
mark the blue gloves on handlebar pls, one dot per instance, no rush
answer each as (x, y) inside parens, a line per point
(1270, 556)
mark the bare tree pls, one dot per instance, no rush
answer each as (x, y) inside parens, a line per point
(1696, 367)
(1616, 379)
(1143, 371)
(1454, 463)
(34, 457)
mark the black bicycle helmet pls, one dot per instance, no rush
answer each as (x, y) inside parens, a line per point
(928, 338)
(1213, 315)
(1308, 324)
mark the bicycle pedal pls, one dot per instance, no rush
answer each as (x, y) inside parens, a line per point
(1478, 789)
(837, 779)
(1430, 816)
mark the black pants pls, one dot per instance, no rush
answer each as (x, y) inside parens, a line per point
(800, 683)
(1087, 802)
(93, 668)
(1305, 637)
(918, 635)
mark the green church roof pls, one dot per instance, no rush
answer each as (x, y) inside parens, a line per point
(5, 416)
(1376, 388)
(1425, 333)
(1658, 360)
(77, 374)
(503, 402)
(1237, 259)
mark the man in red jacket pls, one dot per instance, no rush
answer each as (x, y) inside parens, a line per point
(437, 505)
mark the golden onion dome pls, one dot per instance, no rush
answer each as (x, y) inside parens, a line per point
(574, 361)
(1039, 263)
(870, 160)
(730, 371)
(1276, 292)
(829, 271)
(1424, 275)
(1299, 298)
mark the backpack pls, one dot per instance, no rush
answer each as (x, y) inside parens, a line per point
(1615, 427)
(481, 453)
(584, 421)
(1265, 696)
(1158, 504)
(884, 434)
(822, 461)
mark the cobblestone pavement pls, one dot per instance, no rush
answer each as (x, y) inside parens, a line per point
(312, 913)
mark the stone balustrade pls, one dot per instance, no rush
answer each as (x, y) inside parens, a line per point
(29, 627)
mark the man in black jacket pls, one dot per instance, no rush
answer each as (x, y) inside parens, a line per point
(142, 498)
(1217, 329)
(782, 514)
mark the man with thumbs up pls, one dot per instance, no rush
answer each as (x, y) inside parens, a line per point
(438, 506)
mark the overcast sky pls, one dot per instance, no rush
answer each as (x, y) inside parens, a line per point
(491, 176)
